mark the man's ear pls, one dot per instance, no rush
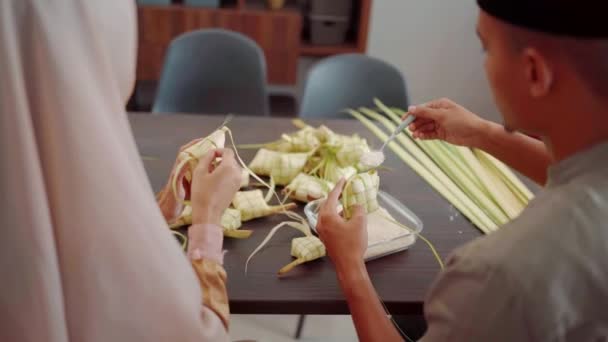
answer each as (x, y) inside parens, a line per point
(538, 73)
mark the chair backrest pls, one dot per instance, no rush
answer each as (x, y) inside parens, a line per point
(213, 72)
(351, 81)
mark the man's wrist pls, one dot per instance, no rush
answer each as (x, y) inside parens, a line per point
(351, 274)
(485, 130)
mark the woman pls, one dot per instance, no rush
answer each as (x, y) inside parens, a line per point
(86, 254)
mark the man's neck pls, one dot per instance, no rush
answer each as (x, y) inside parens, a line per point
(576, 136)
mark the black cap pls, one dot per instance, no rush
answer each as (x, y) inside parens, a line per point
(578, 19)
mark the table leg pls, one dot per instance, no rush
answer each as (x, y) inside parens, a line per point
(300, 326)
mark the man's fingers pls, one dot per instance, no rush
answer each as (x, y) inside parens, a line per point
(334, 195)
(330, 205)
(419, 123)
(431, 110)
(426, 136)
(358, 213)
(439, 103)
(427, 128)
(425, 112)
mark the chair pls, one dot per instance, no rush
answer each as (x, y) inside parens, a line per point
(213, 72)
(351, 81)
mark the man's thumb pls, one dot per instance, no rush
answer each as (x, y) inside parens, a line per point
(424, 112)
(358, 212)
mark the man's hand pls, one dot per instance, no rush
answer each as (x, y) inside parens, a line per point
(213, 188)
(445, 120)
(345, 241)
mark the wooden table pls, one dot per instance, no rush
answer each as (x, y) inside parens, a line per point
(402, 280)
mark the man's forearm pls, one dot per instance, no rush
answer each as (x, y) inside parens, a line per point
(368, 314)
(525, 154)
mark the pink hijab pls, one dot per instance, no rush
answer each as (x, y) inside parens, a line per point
(85, 254)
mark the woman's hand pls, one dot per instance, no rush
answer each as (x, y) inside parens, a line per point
(213, 188)
(169, 205)
(445, 120)
(345, 241)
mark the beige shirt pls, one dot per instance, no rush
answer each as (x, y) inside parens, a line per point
(543, 277)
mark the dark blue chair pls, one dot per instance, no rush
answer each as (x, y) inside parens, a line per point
(351, 81)
(213, 72)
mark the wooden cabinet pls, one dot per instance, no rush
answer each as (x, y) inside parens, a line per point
(278, 32)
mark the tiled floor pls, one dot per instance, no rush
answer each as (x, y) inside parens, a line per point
(281, 328)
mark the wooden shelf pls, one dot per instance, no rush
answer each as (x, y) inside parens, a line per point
(280, 33)
(306, 49)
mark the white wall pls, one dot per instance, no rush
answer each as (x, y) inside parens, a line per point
(433, 42)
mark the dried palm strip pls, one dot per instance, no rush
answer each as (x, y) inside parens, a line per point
(252, 205)
(505, 173)
(495, 186)
(482, 202)
(492, 164)
(457, 175)
(435, 177)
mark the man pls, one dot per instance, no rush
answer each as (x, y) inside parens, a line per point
(543, 277)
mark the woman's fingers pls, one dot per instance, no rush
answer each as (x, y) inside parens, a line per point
(188, 145)
(205, 164)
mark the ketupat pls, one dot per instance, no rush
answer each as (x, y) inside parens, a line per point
(287, 166)
(230, 222)
(333, 173)
(172, 198)
(307, 188)
(304, 140)
(263, 162)
(244, 178)
(362, 190)
(252, 205)
(304, 249)
(188, 159)
(282, 167)
(351, 150)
